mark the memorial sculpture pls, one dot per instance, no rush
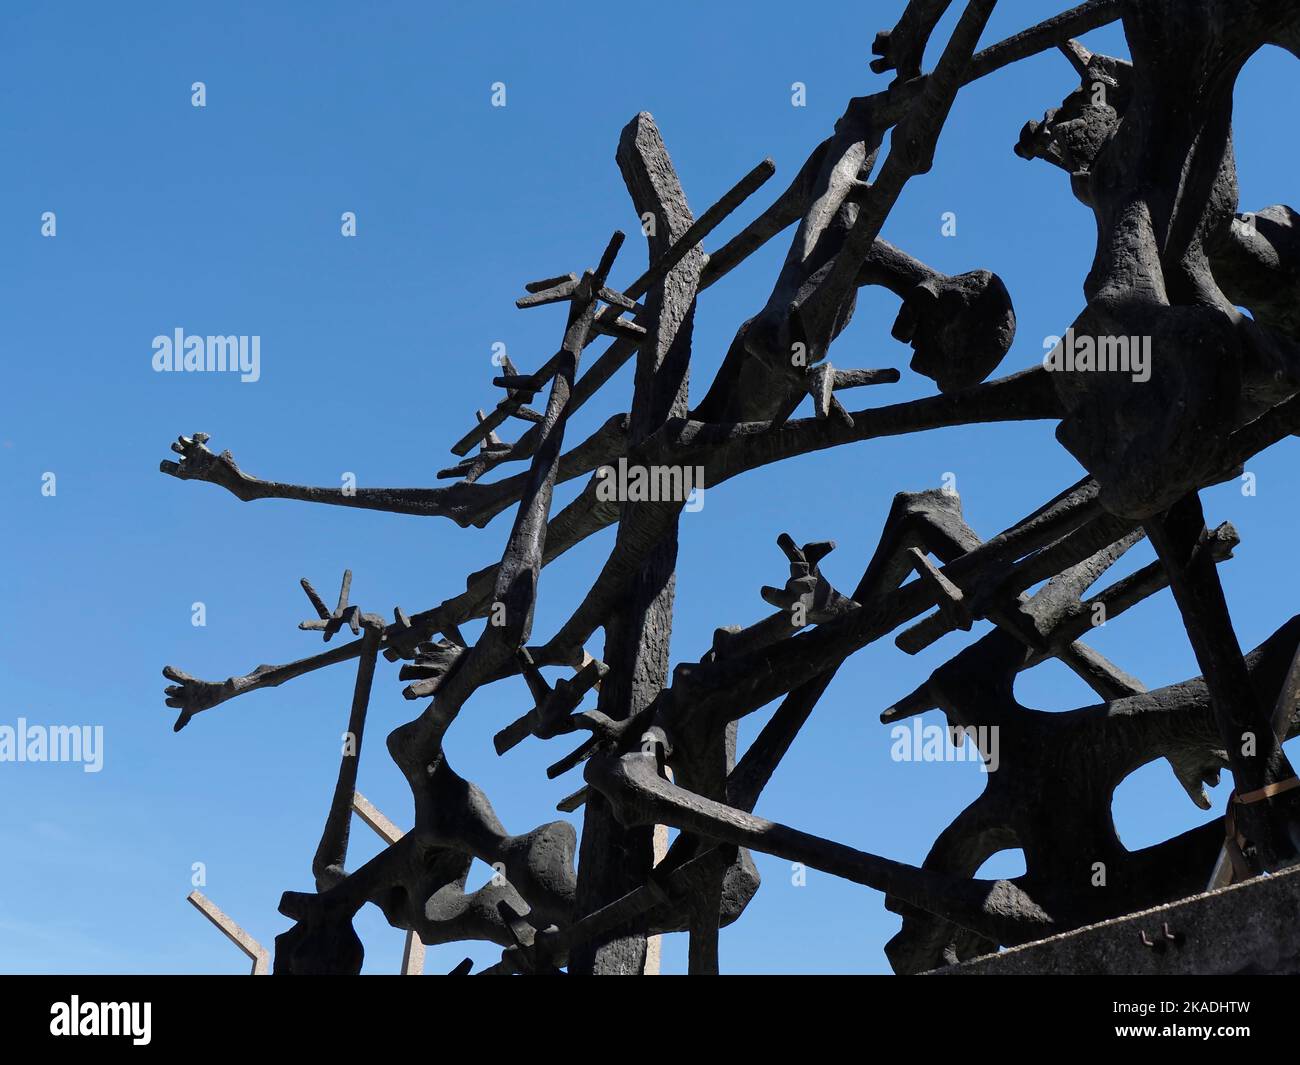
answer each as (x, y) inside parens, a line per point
(1147, 147)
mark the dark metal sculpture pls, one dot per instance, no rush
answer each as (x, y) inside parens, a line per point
(1147, 146)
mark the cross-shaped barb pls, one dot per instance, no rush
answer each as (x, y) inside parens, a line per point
(549, 716)
(343, 613)
(823, 381)
(492, 450)
(953, 603)
(522, 392)
(572, 288)
(581, 292)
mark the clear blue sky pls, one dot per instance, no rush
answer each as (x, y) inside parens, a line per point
(375, 352)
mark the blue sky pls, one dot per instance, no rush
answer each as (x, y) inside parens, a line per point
(375, 352)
